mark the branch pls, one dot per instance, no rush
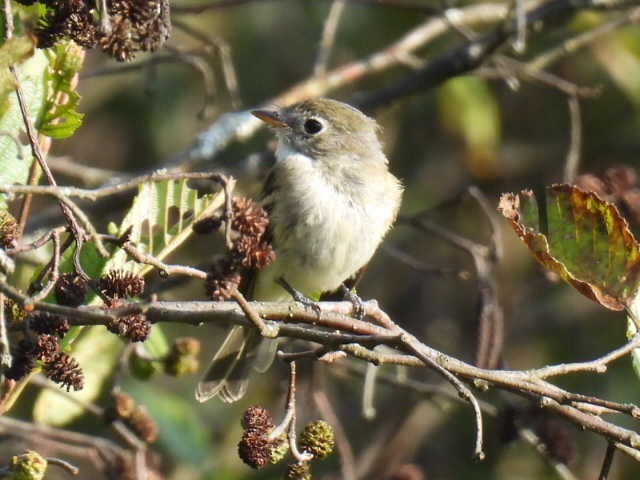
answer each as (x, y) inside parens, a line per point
(335, 329)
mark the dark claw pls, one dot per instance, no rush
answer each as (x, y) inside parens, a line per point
(356, 301)
(299, 297)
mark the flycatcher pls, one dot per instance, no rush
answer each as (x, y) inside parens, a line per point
(331, 199)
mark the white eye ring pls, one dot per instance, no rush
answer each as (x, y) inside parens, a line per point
(313, 126)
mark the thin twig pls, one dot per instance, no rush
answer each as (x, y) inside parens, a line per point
(572, 161)
(264, 329)
(110, 190)
(64, 464)
(37, 154)
(5, 349)
(223, 49)
(83, 173)
(607, 462)
(462, 389)
(165, 269)
(328, 36)
(54, 271)
(581, 40)
(520, 42)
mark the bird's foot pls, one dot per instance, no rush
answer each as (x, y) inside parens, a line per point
(358, 306)
(299, 296)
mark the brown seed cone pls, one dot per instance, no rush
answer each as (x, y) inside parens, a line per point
(23, 361)
(252, 253)
(121, 284)
(257, 420)
(48, 323)
(70, 290)
(122, 406)
(135, 327)
(47, 348)
(255, 450)
(223, 278)
(136, 25)
(143, 425)
(8, 230)
(248, 218)
(65, 371)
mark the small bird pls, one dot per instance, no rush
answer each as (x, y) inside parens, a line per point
(331, 199)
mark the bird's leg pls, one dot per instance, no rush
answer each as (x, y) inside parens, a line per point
(299, 296)
(356, 301)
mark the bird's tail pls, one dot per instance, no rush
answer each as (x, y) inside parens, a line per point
(227, 375)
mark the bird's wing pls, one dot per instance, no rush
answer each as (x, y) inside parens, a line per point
(223, 372)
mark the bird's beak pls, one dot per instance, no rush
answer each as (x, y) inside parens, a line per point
(270, 117)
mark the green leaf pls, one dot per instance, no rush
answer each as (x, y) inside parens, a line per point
(60, 118)
(31, 67)
(182, 431)
(160, 219)
(586, 242)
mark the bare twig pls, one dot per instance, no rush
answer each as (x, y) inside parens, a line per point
(223, 49)
(520, 42)
(607, 462)
(264, 329)
(572, 162)
(575, 43)
(336, 329)
(301, 457)
(54, 271)
(106, 191)
(328, 36)
(5, 349)
(164, 268)
(64, 464)
(85, 174)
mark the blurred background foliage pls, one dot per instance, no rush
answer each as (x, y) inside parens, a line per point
(500, 136)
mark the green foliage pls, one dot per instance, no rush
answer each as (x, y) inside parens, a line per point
(60, 118)
(182, 431)
(31, 66)
(586, 242)
(159, 221)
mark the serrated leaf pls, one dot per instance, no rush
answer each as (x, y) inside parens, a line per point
(161, 219)
(586, 242)
(60, 118)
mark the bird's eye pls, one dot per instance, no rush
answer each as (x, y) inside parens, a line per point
(313, 126)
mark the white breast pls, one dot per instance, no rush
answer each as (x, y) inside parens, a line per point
(322, 236)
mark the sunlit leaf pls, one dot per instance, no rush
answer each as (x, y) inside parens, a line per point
(31, 67)
(586, 241)
(60, 118)
(159, 221)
